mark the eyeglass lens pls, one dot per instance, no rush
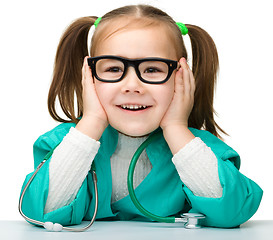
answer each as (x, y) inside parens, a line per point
(113, 69)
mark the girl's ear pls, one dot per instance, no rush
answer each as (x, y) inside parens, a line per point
(66, 81)
(205, 66)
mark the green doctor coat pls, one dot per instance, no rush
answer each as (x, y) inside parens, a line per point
(162, 192)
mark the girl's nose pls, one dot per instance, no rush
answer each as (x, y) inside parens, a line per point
(131, 82)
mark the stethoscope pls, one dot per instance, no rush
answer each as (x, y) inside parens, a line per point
(190, 220)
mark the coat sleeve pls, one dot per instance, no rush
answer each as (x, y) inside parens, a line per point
(241, 196)
(36, 195)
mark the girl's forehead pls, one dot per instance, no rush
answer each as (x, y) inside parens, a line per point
(137, 43)
(127, 22)
(134, 37)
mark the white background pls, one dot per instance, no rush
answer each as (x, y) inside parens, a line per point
(242, 31)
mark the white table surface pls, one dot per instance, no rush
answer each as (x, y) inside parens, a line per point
(258, 230)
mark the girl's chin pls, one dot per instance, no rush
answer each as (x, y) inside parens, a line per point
(133, 136)
(134, 131)
(129, 134)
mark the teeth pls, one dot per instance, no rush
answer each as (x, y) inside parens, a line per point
(132, 106)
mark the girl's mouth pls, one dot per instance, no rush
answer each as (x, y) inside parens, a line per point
(133, 107)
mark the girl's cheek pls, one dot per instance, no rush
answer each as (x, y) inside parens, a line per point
(100, 88)
(169, 91)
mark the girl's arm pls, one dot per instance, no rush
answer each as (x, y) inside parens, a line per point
(238, 198)
(52, 186)
(195, 162)
(35, 198)
(72, 159)
(69, 166)
(197, 167)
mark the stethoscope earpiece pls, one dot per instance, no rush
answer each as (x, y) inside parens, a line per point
(55, 227)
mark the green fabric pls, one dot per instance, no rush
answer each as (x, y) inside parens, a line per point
(161, 192)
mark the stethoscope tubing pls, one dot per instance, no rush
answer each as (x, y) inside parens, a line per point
(39, 223)
(130, 181)
(191, 220)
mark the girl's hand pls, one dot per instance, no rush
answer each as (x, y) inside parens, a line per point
(182, 103)
(94, 119)
(175, 121)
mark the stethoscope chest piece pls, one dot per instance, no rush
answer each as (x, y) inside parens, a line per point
(192, 220)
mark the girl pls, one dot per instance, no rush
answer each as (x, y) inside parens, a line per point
(137, 81)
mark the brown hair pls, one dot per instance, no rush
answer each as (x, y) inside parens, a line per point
(72, 48)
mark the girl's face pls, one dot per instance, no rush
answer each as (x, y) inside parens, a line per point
(131, 91)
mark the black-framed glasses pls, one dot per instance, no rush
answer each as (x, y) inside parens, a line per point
(110, 68)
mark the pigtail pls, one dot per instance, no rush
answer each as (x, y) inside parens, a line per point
(66, 81)
(205, 66)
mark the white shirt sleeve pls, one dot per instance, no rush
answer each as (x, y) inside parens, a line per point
(197, 167)
(69, 166)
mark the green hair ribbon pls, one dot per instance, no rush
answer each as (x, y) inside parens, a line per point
(184, 30)
(97, 22)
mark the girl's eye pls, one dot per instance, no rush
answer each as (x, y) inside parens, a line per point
(152, 70)
(113, 69)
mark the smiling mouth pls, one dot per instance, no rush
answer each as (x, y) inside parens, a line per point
(133, 107)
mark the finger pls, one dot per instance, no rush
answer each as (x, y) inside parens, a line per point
(192, 79)
(179, 83)
(87, 69)
(86, 72)
(83, 69)
(186, 76)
